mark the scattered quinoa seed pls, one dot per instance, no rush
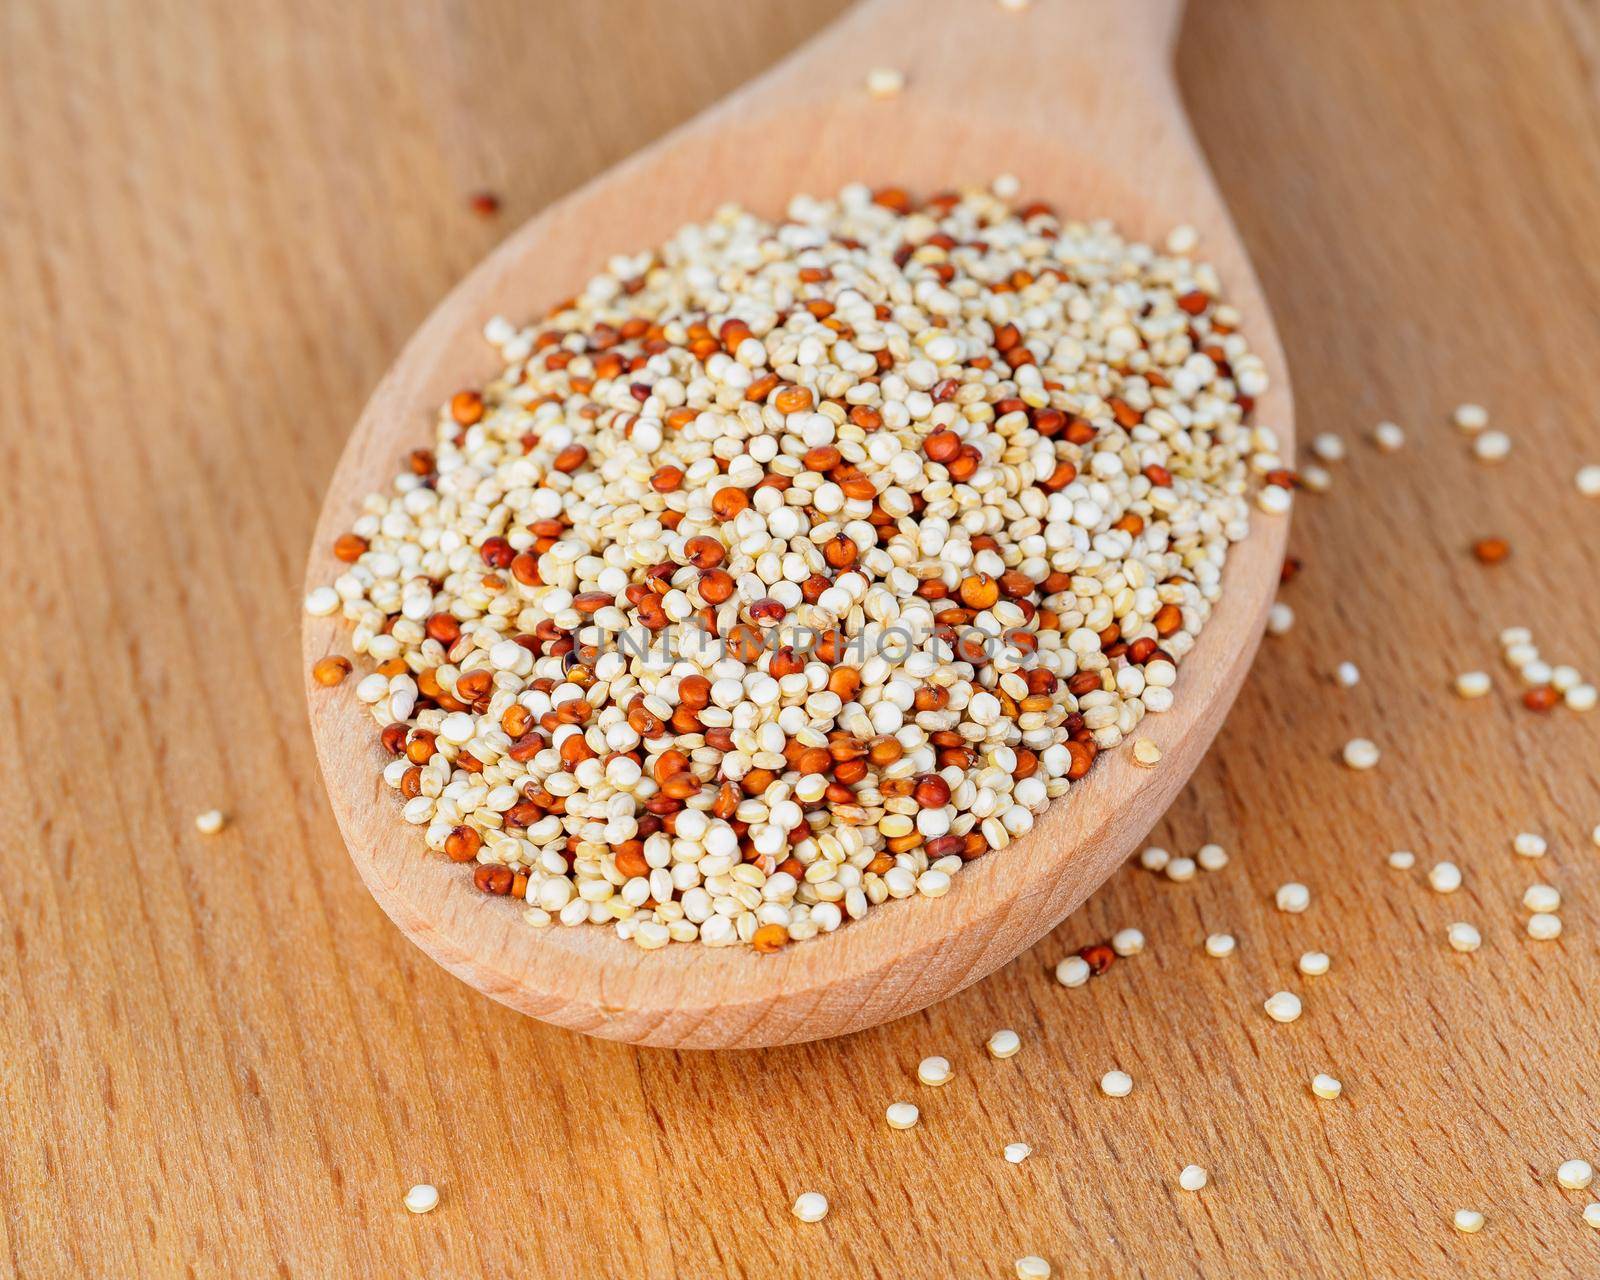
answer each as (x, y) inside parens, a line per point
(1575, 1175)
(1388, 437)
(1588, 480)
(210, 822)
(422, 1198)
(1004, 1044)
(1328, 447)
(1193, 1178)
(1360, 753)
(1154, 858)
(1543, 926)
(1127, 942)
(1542, 897)
(1280, 619)
(1472, 684)
(1463, 936)
(1591, 1214)
(1220, 945)
(1468, 1220)
(934, 1071)
(1347, 675)
(1491, 550)
(484, 203)
(1180, 869)
(1212, 857)
(1073, 971)
(811, 1206)
(1293, 897)
(1283, 1006)
(1402, 859)
(1492, 446)
(1470, 417)
(1445, 877)
(1146, 753)
(1529, 844)
(902, 1115)
(1116, 1084)
(1314, 964)
(1032, 1267)
(1017, 1152)
(885, 82)
(1325, 1086)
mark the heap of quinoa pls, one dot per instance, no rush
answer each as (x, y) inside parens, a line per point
(794, 564)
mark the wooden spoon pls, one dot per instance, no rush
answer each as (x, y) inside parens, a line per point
(1076, 98)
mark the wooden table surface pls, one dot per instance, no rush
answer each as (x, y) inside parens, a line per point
(218, 222)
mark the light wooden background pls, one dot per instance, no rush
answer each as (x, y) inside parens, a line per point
(217, 224)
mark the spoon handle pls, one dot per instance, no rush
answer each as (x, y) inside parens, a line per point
(1097, 71)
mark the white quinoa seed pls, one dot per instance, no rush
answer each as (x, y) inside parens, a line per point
(1154, 858)
(1575, 1175)
(1220, 945)
(1347, 675)
(1542, 897)
(1116, 1084)
(1193, 1177)
(1145, 753)
(1017, 1152)
(1293, 897)
(1492, 446)
(1529, 844)
(422, 1198)
(1388, 437)
(885, 82)
(810, 1206)
(1472, 684)
(1543, 926)
(1313, 964)
(1402, 859)
(1182, 240)
(1445, 877)
(1127, 942)
(1470, 417)
(1004, 1044)
(1582, 697)
(1360, 753)
(1211, 857)
(1591, 1214)
(1328, 446)
(1283, 1006)
(902, 1115)
(210, 822)
(1468, 1220)
(1073, 971)
(1180, 869)
(550, 496)
(1588, 480)
(1032, 1267)
(1280, 619)
(1326, 1086)
(1463, 936)
(934, 1071)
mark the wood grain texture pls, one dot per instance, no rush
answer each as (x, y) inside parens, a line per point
(218, 223)
(817, 130)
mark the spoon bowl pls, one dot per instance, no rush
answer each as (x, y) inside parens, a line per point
(1077, 100)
